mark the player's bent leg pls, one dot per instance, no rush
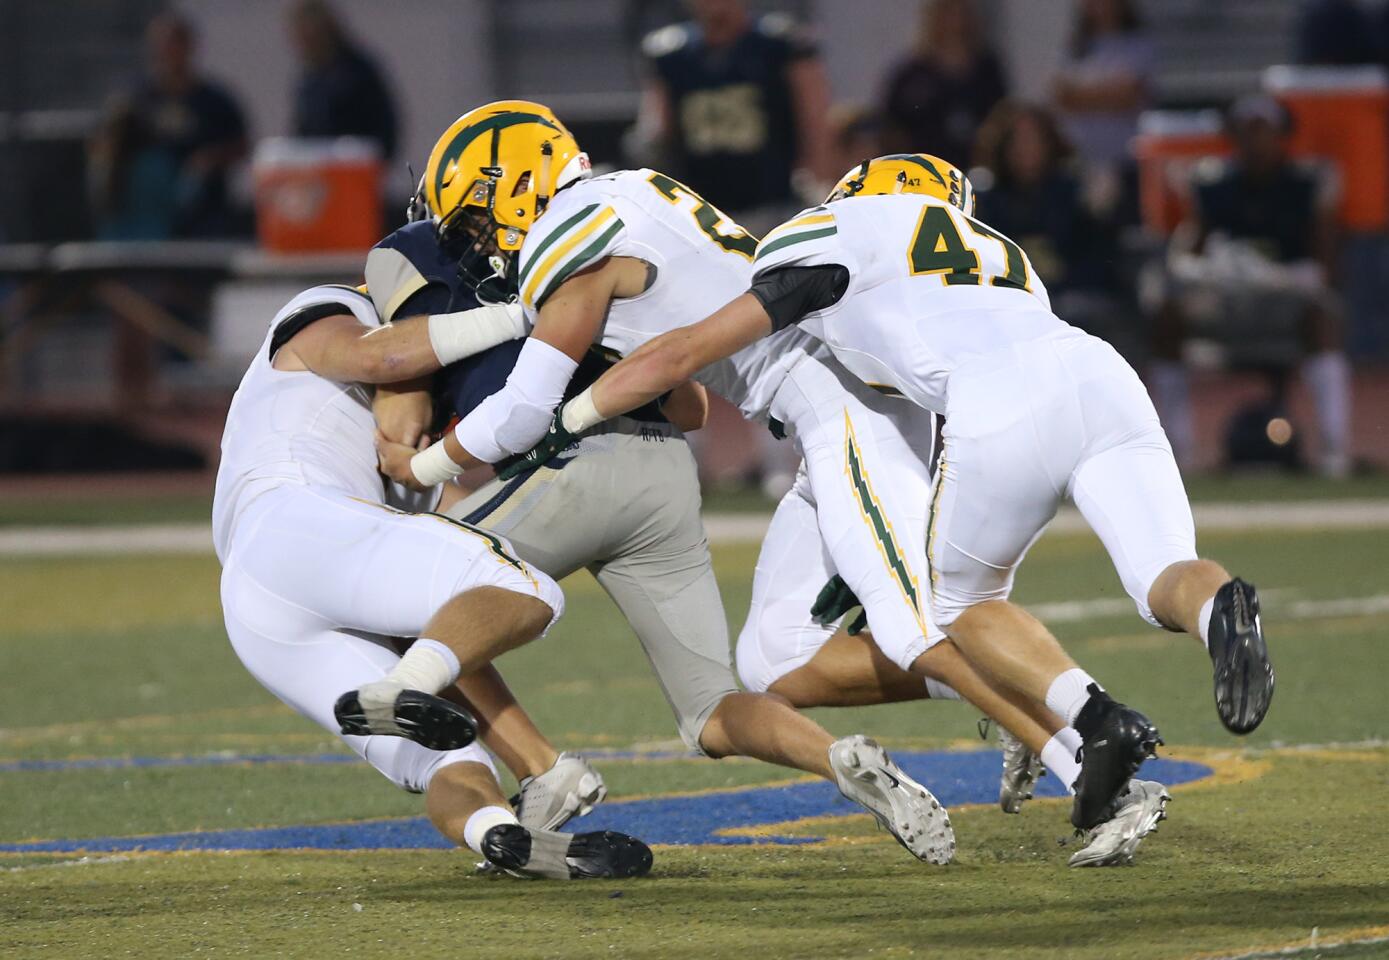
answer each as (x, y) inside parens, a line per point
(555, 786)
(848, 672)
(1131, 494)
(480, 623)
(1002, 639)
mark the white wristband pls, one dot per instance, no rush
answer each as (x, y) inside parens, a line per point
(580, 413)
(455, 336)
(433, 465)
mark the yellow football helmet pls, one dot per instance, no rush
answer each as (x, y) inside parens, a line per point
(907, 173)
(496, 167)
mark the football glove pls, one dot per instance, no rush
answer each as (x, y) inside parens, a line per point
(834, 601)
(554, 442)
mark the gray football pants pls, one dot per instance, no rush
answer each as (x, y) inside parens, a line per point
(627, 507)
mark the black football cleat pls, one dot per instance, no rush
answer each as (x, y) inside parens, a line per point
(604, 854)
(1120, 740)
(430, 721)
(1243, 674)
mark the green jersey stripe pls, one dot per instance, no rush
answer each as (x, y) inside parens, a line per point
(780, 242)
(579, 261)
(549, 241)
(891, 553)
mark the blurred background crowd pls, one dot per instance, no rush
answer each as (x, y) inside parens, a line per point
(1204, 183)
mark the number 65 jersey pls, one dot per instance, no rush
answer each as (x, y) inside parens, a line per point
(928, 289)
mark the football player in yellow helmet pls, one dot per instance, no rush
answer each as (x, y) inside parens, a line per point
(907, 173)
(491, 173)
(910, 292)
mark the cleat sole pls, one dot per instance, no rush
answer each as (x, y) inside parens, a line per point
(430, 721)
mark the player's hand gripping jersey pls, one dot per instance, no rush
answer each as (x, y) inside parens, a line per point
(919, 288)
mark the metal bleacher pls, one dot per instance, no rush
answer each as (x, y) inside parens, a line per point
(1209, 51)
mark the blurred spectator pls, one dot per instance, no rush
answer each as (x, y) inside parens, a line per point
(855, 135)
(1104, 86)
(1033, 195)
(937, 98)
(162, 155)
(1252, 270)
(734, 106)
(1335, 33)
(341, 92)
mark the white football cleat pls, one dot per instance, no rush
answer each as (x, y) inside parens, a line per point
(903, 807)
(1021, 768)
(570, 788)
(1136, 814)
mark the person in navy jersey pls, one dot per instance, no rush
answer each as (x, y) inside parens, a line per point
(341, 91)
(736, 105)
(1035, 197)
(937, 98)
(442, 285)
(162, 157)
(1274, 216)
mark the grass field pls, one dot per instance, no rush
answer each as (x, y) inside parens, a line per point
(124, 657)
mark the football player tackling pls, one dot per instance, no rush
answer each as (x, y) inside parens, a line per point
(612, 262)
(320, 573)
(914, 295)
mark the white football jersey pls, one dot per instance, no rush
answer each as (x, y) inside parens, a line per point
(929, 288)
(297, 427)
(702, 260)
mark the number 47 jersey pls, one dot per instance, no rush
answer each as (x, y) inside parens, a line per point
(928, 289)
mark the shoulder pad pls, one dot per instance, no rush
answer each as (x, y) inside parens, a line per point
(665, 41)
(391, 280)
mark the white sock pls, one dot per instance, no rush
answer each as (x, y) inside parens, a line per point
(1328, 380)
(939, 691)
(1059, 757)
(1203, 621)
(481, 821)
(1068, 693)
(428, 665)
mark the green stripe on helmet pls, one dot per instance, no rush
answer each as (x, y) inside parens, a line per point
(926, 165)
(467, 135)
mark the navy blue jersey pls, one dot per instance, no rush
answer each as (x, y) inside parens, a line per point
(435, 285)
(734, 121)
(1276, 214)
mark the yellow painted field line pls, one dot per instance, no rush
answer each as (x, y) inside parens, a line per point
(1349, 938)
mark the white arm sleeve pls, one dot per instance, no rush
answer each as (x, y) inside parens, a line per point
(514, 418)
(457, 335)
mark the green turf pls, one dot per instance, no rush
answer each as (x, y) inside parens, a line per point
(125, 657)
(194, 507)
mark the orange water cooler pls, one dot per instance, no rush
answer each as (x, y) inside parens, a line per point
(1169, 145)
(317, 195)
(1341, 114)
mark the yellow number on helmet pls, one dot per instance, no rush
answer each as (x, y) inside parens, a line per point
(496, 167)
(907, 173)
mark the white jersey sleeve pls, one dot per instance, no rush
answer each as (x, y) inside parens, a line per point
(810, 238)
(579, 229)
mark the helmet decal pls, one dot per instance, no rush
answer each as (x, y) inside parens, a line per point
(448, 164)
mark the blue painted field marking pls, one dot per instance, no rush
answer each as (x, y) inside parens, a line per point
(955, 778)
